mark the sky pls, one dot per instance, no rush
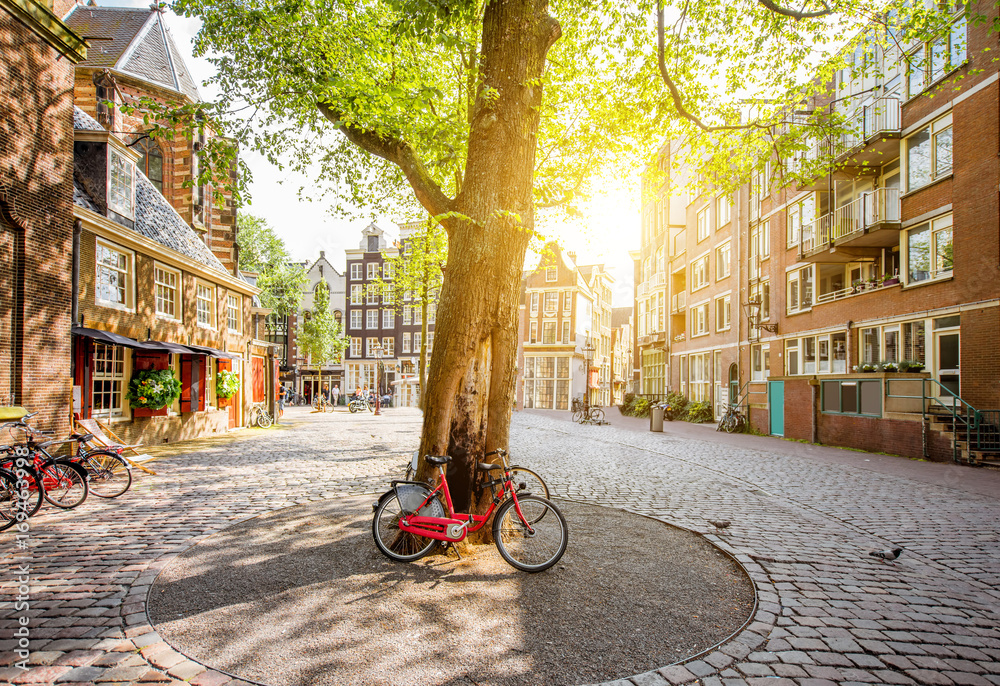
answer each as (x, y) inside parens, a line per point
(608, 229)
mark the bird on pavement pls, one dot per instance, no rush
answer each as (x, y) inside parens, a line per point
(719, 524)
(886, 555)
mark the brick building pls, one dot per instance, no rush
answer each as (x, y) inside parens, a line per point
(890, 257)
(36, 200)
(621, 353)
(311, 375)
(153, 296)
(565, 341)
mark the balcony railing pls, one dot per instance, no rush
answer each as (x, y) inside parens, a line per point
(869, 210)
(864, 287)
(678, 302)
(659, 279)
(642, 289)
(878, 118)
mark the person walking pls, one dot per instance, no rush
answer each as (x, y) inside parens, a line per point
(336, 396)
(282, 396)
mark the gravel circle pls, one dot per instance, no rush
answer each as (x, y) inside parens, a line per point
(302, 596)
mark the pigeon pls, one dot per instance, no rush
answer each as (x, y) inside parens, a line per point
(719, 524)
(887, 555)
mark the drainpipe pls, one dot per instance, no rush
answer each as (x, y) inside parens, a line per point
(75, 308)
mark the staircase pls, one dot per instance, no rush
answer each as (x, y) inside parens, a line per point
(974, 434)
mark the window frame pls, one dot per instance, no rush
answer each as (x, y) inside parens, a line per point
(357, 294)
(371, 320)
(198, 300)
(176, 302)
(703, 225)
(371, 272)
(128, 290)
(935, 228)
(699, 265)
(115, 198)
(725, 303)
(231, 308)
(357, 320)
(357, 269)
(940, 127)
(725, 263)
(551, 274)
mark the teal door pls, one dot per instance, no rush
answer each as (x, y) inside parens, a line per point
(776, 406)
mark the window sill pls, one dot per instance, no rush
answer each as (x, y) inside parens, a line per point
(927, 282)
(167, 318)
(114, 306)
(927, 185)
(792, 314)
(209, 327)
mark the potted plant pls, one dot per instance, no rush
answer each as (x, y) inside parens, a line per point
(865, 368)
(891, 281)
(887, 366)
(150, 391)
(911, 366)
(226, 385)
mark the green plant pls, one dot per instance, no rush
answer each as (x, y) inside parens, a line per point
(640, 408)
(677, 406)
(227, 384)
(153, 389)
(887, 366)
(911, 366)
(699, 412)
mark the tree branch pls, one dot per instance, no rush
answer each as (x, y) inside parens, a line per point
(796, 14)
(399, 153)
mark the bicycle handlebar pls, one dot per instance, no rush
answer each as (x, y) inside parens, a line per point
(498, 451)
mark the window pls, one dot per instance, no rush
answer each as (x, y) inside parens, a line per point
(703, 225)
(206, 304)
(387, 295)
(852, 396)
(913, 342)
(792, 357)
(151, 162)
(355, 272)
(357, 291)
(761, 292)
(551, 274)
(165, 282)
(722, 313)
(760, 362)
(416, 341)
(107, 380)
(372, 316)
(388, 347)
(870, 350)
(800, 290)
(370, 345)
(114, 276)
(928, 154)
(534, 303)
(759, 249)
(388, 271)
(567, 302)
(533, 332)
(121, 184)
(430, 341)
(930, 61)
(699, 320)
(722, 256)
(551, 302)
(723, 209)
(356, 319)
(233, 313)
(372, 291)
(372, 269)
(700, 366)
(548, 333)
(699, 273)
(406, 342)
(929, 250)
(355, 346)
(418, 316)
(388, 319)
(565, 332)
(546, 382)
(432, 310)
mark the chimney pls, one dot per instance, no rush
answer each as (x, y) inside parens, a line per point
(572, 255)
(322, 254)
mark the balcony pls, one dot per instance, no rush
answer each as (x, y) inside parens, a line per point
(859, 229)
(659, 279)
(678, 302)
(873, 137)
(642, 289)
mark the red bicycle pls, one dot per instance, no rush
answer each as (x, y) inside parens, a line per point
(529, 531)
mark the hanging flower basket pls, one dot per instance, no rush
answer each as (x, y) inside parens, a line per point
(228, 384)
(153, 389)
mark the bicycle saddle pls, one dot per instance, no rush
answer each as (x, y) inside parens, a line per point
(487, 467)
(437, 460)
(81, 437)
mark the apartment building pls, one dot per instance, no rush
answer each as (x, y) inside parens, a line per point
(889, 258)
(565, 333)
(621, 353)
(410, 312)
(311, 375)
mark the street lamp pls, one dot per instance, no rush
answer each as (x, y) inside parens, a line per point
(378, 363)
(752, 310)
(588, 355)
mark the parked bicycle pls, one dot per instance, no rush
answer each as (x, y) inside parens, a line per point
(525, 479)
(321, 404)
(585, 413)
(259, 416)
(529, 531)
(358, 404)
(732, 420)
(62, 482)
(109, 474)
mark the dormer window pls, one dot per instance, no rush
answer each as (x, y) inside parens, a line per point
(151, 162)
(121, 183)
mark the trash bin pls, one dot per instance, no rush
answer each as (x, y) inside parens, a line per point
(656, 418)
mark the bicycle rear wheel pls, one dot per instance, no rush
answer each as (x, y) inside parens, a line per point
(36, 492)
(110, 475)
(533, 484)
(65, 484)
(596, 415)
(526, 546)
(392, 541)
(264, 420)
(10, 501)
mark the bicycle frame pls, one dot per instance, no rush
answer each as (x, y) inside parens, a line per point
(457, 525)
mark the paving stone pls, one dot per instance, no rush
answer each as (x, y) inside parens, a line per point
(677, 674)
(644, 679)
(927, 676)
(41, 675)
(81, 674)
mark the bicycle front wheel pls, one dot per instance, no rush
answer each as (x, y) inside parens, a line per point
(10, 498)
(597, 415)
(533, 484)
(526, 546)
(65, 484)
(264, 420)
(110, 475)
(578, 416)
(393, 542)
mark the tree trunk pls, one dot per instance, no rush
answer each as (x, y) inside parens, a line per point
(470, 384)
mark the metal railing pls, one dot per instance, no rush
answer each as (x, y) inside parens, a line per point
(678, 302)
(864, 287)
(880, 206)
(879, 117)
(979, 429)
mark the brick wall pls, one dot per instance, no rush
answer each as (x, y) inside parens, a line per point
(36, 162)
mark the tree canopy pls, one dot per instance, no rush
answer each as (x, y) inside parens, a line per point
(262, 251)
(320, 336)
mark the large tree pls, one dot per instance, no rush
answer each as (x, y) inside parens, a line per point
(484, 111)
(261, 250)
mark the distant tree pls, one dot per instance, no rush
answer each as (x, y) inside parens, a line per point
(262, 251)
(319, 335)
(418, 274)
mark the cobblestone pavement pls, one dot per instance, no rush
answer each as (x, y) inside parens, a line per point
(828, 613)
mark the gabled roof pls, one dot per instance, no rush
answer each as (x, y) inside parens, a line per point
(137, 43)
(155, 218)
(620, 316)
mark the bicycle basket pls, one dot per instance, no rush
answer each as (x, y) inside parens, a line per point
(410, 495)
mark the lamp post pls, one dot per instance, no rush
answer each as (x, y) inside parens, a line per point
(752, 310)
(588, 355)
(378, 363)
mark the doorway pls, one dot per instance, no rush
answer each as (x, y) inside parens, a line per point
(947, 354)
(776, 407)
